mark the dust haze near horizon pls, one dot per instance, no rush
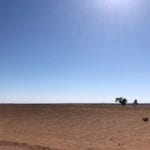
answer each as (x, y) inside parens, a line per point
(74, 51)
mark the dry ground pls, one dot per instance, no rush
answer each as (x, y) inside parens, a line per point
(74, 127)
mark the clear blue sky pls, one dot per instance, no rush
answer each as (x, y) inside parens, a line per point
(74, 50)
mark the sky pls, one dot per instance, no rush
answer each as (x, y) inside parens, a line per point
(72, 51)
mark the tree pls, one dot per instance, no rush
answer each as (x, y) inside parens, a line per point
(135, 103)
(121, 100)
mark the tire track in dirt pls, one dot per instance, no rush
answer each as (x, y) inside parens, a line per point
(26, 146)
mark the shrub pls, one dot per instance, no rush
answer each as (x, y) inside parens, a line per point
(121, 100)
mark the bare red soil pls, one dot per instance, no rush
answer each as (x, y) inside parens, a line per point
(74, 127)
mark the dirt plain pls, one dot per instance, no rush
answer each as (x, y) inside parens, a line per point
(74, 127)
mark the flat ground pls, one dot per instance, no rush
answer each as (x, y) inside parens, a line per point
(74, 127)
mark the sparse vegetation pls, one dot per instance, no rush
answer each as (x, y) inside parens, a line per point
(121, 100)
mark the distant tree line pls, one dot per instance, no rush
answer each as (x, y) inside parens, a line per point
(123, 101)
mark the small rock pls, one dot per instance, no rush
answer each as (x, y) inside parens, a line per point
(146, 119)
